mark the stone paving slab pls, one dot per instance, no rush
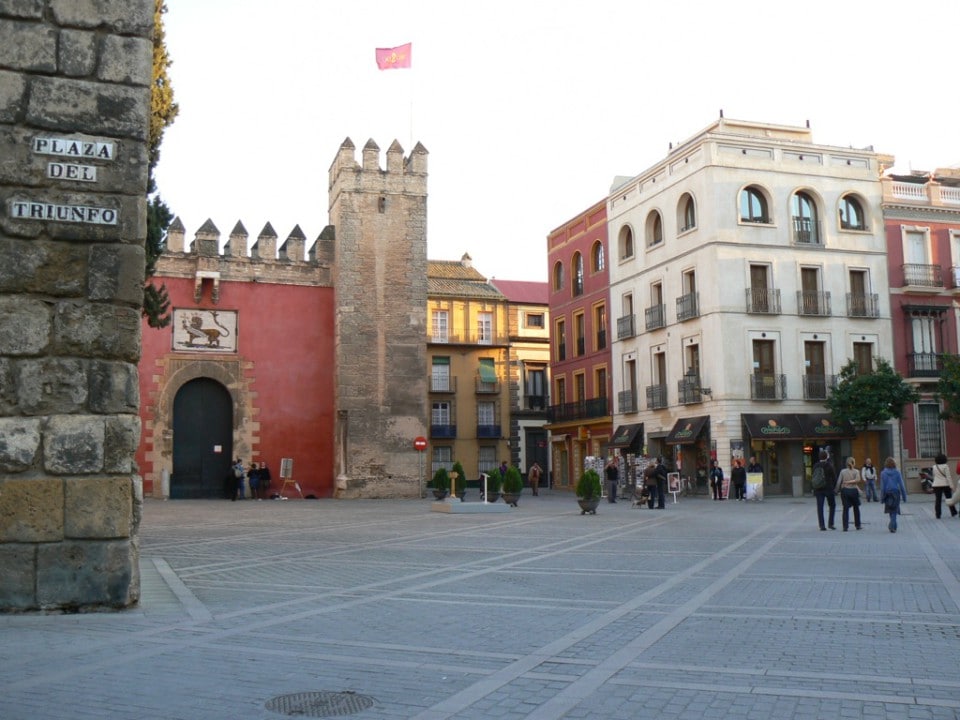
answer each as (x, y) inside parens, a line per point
(700, 610)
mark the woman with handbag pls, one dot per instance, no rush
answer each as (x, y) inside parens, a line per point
(942, 485)
(848, 485)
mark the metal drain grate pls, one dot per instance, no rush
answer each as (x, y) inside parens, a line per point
(320, 704)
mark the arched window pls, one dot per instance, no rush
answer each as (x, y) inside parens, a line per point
(687, 213)
(577, 274)
(654, 229)
(558, 276)
(625, 242)
(804, 213)
(597, 260)
(851, 214)
(753, 205)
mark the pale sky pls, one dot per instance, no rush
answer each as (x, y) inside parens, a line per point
(528, 109)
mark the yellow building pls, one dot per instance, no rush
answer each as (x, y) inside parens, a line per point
(468, 360)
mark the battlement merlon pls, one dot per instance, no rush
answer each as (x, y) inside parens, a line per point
(402, 175)
(206, 245)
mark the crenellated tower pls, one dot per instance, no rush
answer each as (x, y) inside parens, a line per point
(379, 219)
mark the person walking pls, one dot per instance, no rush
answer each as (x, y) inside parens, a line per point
(716, 480)
(533, 476)
(661, 475)
(650, 483)
(892, 491)
(253, 480)
(824, 480)
(263, 481)
(848, 486)
(869, 475)
(610, 469)
(738, 478)
(942, 485)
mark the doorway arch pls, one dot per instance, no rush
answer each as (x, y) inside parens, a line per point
(202, 439)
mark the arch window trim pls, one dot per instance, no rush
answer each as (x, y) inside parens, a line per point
(557, 276)
(625, 243)
(598, 260)
(687, 214)
(844, 213)
(754, 206)
(805, 219)
(654, 229)
(576, 285)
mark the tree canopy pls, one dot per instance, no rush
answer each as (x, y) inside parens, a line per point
(865, 399)
(948, 388)
(163, 111)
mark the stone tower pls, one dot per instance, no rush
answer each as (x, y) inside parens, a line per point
(380, 275)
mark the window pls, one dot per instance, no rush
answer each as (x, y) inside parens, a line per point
(487, 459)
(765, 380)
(439, 326)
(687, 213)
(561, 340)
(442, 458)
(815, 378)
(600, 383)
(580, 389)
(485, 328)
(440, 377)
(863, 357)
(925, 336)
(929, 438)
(600, 326)
(861, 304)
(810, 291)
(577, 274)
(561, 393)
(578, 329)
(485, 413)
(598, 261)
(558, 276)
(805, 224)
(534, 320)
(536, 388)
(440, 413)
(625, 242)
(753, 205)
(654, 229)
(851, 214)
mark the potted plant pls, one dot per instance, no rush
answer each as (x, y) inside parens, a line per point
(440, 483)
(512, 486)
(494, 481)
(461, 480)
(588, 492)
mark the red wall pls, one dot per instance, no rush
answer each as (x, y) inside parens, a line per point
(287, 333)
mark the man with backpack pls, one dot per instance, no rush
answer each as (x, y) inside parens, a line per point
(823, 479)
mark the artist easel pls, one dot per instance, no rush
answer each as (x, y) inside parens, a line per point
(286, 474)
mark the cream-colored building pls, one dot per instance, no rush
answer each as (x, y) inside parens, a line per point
(747, 267)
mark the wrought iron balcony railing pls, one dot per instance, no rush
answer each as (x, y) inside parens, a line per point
(818, 387)
(583, 410)
(440, 384)
(655, 317)
(626, 327)
(688, 306)
(920, 275)
(627, 401)
(924, 364)
(443, 431)
(813, 302)
(656, 397)
(768, 386)
(763, 300)
(865, 306)
(807, 231)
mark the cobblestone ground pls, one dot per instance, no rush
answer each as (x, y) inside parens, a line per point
(385, 609)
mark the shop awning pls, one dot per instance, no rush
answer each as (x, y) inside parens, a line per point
(686, 430)
(773, 427)
(824, 427)
(626, 436)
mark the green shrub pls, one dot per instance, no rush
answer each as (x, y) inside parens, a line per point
(588, 486)
(461, 477)
(494, 481)
(513, 480)
(441, 480)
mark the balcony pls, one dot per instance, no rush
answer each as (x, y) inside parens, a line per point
(656, 397)
(488, 432)
(465, 337)
(443, 432)
(487, 388)
(924, 364)
(927, 276)
(626, 327)
(689, 391)
(817, 387)
(863, 306)
(627, 401)
(813, 302)
(583, 410)
(655, 317)
(807, 231)
(765, 301)
(439, 384)
(535, 402)
(688, 306)
(768, 386)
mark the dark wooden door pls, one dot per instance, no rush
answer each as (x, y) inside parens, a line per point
(202, 440)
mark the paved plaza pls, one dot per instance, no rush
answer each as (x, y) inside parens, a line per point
(384, 609)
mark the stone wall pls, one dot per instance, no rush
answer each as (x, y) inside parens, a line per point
(74, 111)
(380, 276)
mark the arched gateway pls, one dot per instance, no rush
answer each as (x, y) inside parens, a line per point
(202, 439)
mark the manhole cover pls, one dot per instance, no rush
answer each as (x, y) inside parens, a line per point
(320, 704)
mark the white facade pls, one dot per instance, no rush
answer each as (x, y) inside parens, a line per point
(743, 308)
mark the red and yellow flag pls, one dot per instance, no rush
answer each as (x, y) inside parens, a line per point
(394, 58)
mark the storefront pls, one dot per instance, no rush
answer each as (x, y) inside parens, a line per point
(690, 438)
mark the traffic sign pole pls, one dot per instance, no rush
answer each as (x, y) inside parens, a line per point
(420, 444)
